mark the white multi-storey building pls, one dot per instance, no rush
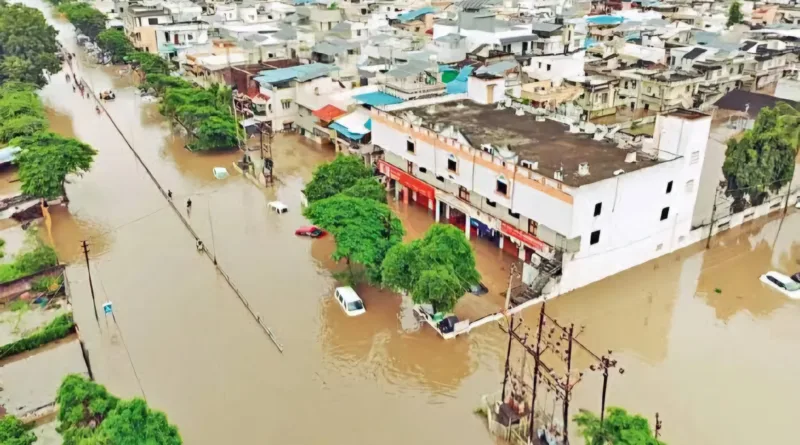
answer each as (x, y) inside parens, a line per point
(575, 209)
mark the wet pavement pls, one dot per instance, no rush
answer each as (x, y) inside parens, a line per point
(719, 367)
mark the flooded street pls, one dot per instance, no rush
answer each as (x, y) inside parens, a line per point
(718, 367)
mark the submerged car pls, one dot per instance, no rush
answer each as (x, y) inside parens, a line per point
(310, 231)
(782, 284)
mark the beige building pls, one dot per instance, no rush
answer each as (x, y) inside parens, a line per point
(141, 23)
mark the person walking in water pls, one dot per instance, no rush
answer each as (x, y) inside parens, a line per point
(169, 194)
(189, 205)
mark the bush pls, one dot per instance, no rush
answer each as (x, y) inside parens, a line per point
(14, 432)
(47, 284)
(29, 263)
(60, 327)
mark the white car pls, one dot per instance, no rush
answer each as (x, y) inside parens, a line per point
(349, 300)
(278, 207)
(782, 283)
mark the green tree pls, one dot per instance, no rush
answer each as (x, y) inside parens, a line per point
(160, 82)
(336, 176)
(367, 188)
(134, 423)
(216, 133)
(149, 63)
(618, 428)
(45, 161)
(84, 17)
(27, 45)
(763, 159)
(115, 43)
(21, 112)
(13, 432)
(90, 415)
(364, 230)
(735, 15)
(436, 269)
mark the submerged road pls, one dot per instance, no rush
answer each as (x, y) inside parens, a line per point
(706, 361)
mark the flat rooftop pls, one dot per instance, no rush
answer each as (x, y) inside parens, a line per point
(549, 143)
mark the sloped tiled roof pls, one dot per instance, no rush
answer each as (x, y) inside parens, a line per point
(328, 113)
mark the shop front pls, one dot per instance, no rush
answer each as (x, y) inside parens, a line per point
(516, 241)
(411, 188)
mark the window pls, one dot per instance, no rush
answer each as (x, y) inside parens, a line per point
(490, 203)
(358, 33)
(533, 227)
(548, 67)
(452, 164)
(664, 213)
(502, 186)
(513, 214)
(410, 146)
(689, 185)
(669, 187)
(152, 21)
(409, 167)
(695, 157)
(598, 208)
(286, 103)
(423, 170)
(688, 88)
(595, 238)
(189, 37)
(440, 178)
(463, 193)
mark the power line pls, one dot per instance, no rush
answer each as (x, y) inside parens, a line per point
(257, 317)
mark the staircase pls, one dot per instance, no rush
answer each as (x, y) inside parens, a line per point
(547, 270)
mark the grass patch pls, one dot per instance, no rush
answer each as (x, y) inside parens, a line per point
(18, 306)
(37, 259)
(60, 327)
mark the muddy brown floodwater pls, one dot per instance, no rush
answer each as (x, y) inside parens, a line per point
(718, 367)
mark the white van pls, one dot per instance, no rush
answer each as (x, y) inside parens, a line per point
(349, 301)
(278, 207)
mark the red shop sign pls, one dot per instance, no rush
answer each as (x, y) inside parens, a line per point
(406, 180)
(525, 237)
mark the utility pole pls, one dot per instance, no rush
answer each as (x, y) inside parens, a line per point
(85, 246)
(606, 363)
(567, 389)
(711, 224)
(658, 426)
(536, 373)
(508, 359)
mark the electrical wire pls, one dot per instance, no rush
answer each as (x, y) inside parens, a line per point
(119, 330)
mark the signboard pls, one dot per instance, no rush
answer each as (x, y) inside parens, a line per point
(406, 180)
(107, 308)
(524, 237)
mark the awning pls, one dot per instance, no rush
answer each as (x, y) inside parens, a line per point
(357, 122)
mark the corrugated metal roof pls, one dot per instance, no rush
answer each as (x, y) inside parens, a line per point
(498, 68)
(412, 68)
(516, 39)
(415, 14)
(694, 53)
(328, 49)
(378, 99)
(545, 27)
(299, 72)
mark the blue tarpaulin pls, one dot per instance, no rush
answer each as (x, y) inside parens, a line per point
(378, 99)
(415, 14)
(345, 132)
(459, 84)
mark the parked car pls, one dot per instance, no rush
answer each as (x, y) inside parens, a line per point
(310, 231)
(478, 289)
(278, 207)
(782, 284)
(349, 300)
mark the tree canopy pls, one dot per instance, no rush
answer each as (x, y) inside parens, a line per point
(149, 63)
(203, 111)
(84, 17)
(13, 432)
(364, 230)
(45, 161)
(367, 188)
(618, 428)
(21, 112)
(115, 43)
(735, 15)
(27, 45)
(763, 159)
(89, 414)
(436, 269)
(336, 176)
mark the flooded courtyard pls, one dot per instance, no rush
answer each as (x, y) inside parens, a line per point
(702, 341)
